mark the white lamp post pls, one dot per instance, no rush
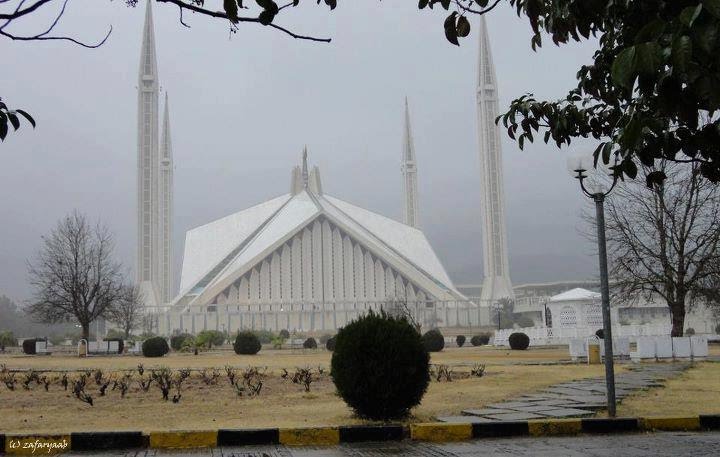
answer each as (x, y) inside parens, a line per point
(596, 186)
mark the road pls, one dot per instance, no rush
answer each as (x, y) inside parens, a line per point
(631, 445)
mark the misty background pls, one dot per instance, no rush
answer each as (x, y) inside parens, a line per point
(243, 105)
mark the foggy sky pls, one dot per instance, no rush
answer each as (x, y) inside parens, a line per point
(242, 107)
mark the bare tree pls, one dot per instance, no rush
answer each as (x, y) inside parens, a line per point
(75, 276)
(127, 312)
(663, 240)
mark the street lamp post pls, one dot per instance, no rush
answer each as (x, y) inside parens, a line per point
(597, 192)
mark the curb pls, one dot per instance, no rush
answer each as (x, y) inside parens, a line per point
(27, 444)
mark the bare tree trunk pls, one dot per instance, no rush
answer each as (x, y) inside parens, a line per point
(86, 331)
(677, 311)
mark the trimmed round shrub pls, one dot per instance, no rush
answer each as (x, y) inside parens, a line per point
(690, 331)
(519, 341)
(330, 344)
(460, 340)
(310, 343)
(433, 340)
(247, 343)
(29, 346)
(120, 341)
(177, 341)
(380, 366)
(600, 333)
(155, 347)
(284, 334)
(481, 339)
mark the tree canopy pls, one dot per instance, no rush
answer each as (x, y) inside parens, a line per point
(650, 93)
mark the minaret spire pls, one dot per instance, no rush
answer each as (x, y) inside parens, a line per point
(148, 230)
(166, 208)
(496, 284)
(305, 168)
(409, 171)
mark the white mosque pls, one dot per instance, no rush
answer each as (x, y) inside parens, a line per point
(306, 260)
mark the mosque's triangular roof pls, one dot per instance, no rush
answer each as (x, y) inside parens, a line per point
(218, 253)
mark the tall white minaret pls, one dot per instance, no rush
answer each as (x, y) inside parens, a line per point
(166, 208)
(496, 284)
(148, 241)
(409, 171)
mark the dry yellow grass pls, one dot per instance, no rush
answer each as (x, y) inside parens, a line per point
(281, 403)
(697, 391)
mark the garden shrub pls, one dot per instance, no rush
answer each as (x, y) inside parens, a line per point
(247, 343)
(380, 366)
(155, 347)
(519, 341)
(460, 340)
(284, 334)
(690, 331)
(330, 344)
(310, 343)
(433, 340)
(7, 338)
(210, 338)
(29, 345)
(265, 336)
(177, 341)
(480, 339)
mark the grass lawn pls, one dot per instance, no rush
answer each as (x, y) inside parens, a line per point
(697, 391)
(281, 403)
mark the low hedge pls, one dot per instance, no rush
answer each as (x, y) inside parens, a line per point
(460, 340)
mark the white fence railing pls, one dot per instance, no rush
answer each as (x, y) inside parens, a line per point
(311, 316)
(542, 336)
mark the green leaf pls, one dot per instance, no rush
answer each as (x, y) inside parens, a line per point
(231, 9)
(713, 7)
(630, 168)
(689, 14)
(655, 178)
(623, 70)
(266, 17)
(463, 27)
(647, 57)
(451, 29)
(651, 31)
(14, 120)
(681, 51)
(26, 116)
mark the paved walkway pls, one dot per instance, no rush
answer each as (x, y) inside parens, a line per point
(635, 445)
(572, 399)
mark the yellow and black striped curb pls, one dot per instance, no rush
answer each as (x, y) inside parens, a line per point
(36, 444)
